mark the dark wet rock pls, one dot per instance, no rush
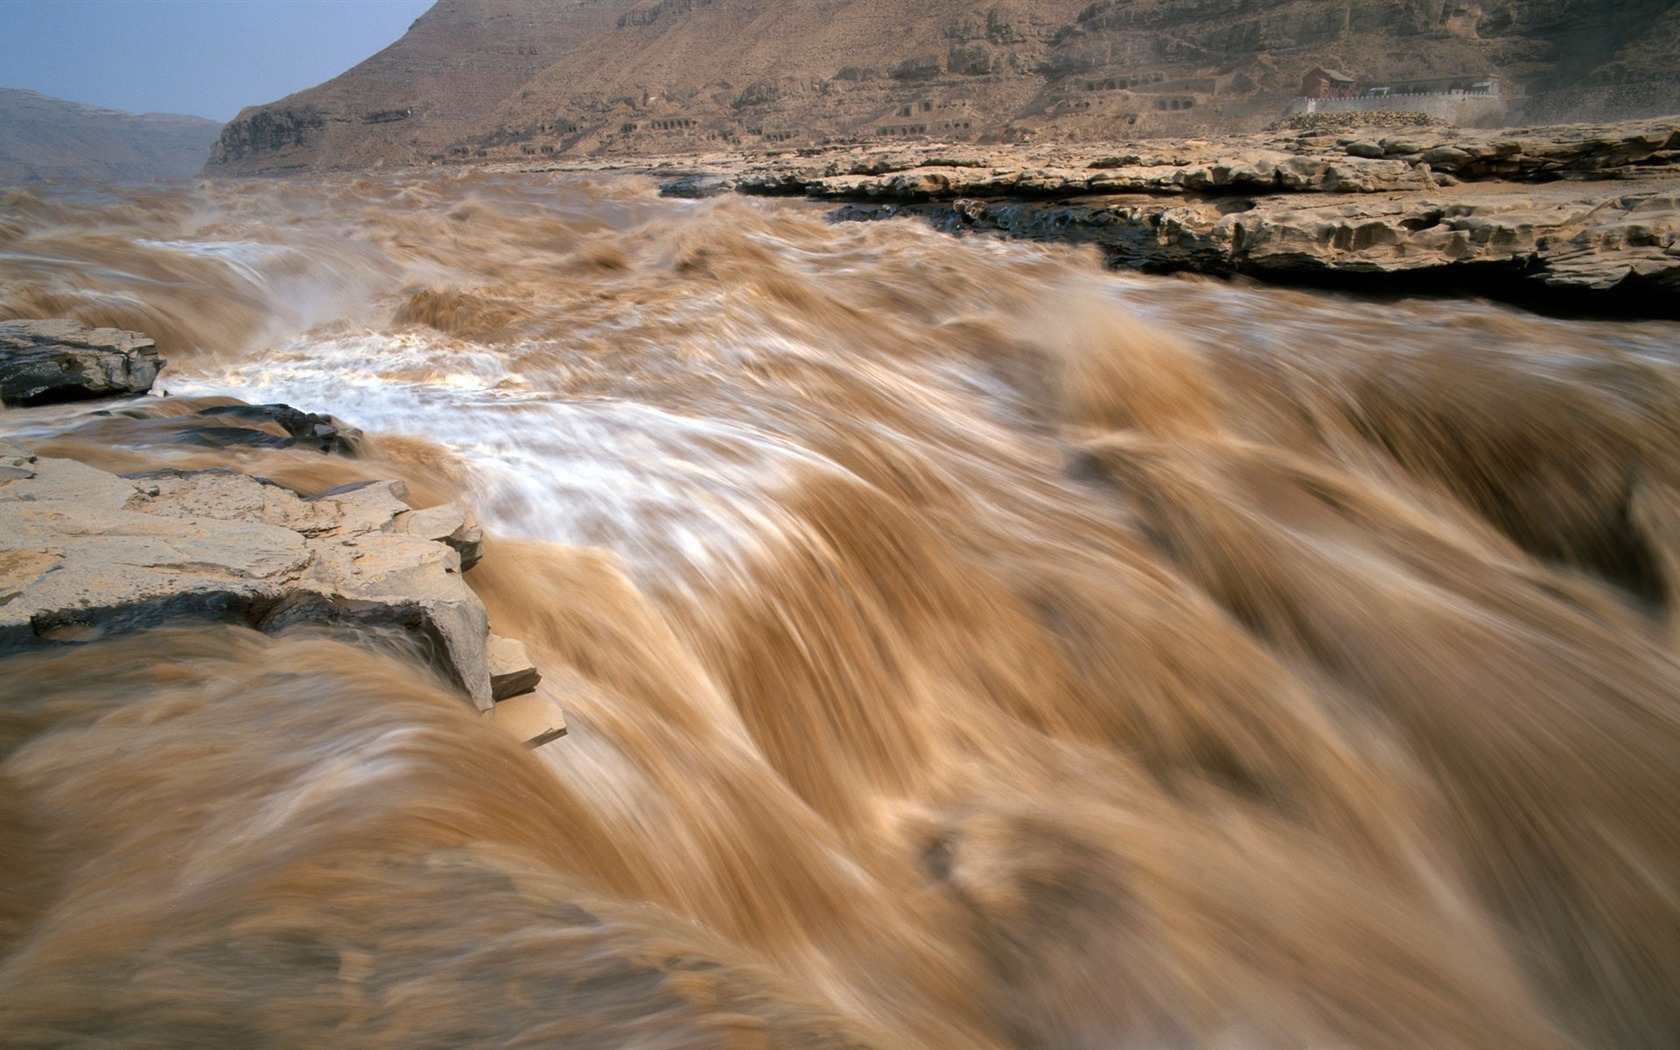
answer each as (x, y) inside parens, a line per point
(232, 437)
(305, 429)
(49, 361)
(222, 423)
(695, 187)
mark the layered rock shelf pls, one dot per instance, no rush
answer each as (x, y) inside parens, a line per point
(1577, 217)
(1614, 248)
(42, 362)
(1326, 155)
(85, 554)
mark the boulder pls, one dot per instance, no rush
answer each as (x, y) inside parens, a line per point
(45, 362)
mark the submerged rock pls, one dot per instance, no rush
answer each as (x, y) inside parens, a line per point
(243, 425)
(527, 706)
(533, 717)
(220, 423)
(44, 362)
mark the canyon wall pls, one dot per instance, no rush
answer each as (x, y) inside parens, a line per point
(479, 80)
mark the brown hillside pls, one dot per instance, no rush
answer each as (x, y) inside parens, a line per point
(501, 79)
(49, 138)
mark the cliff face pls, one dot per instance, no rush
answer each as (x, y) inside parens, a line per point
(506, 79)
(49, 138)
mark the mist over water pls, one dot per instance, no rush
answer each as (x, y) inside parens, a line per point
(962, 646)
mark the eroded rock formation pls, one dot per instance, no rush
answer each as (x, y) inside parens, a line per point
(85, 554)
(1576, 217)
(42, 362)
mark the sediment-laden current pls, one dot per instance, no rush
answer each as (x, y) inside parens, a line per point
(965, 647)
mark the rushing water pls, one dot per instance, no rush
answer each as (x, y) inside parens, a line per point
(963, 647)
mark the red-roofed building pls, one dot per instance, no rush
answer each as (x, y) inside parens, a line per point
(1328, 83)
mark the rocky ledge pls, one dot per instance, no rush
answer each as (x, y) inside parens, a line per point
(43, 362)
(1611, 247)
(1573, 217)
(86, 554)
(1307, 155)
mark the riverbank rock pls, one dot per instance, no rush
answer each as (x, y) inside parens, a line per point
(1563, 238)
(44, 362)
(1580, 218)
(85, 554)
(1613, 238)
(1370, 156)
(1576, 217)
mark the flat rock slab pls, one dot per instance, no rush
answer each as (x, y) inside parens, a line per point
(85, 554)
(511, 670)
(536, 717)
(532, 718)
(44, 362)
(1361, 160)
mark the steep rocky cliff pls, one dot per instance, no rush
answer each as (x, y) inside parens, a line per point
(505, 79)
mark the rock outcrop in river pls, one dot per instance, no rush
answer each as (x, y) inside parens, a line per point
(86, 554)
(1575, 216)
(46, 361)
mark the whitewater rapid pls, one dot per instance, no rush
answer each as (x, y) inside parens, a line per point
(965, 646)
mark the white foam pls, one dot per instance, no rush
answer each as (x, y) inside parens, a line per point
(663, 489)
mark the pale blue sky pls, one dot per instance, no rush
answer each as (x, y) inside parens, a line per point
(205, 57)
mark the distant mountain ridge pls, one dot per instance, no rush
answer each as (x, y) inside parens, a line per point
(42, 137)
(507, 79)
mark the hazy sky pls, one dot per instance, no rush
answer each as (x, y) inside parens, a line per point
(206, 57)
